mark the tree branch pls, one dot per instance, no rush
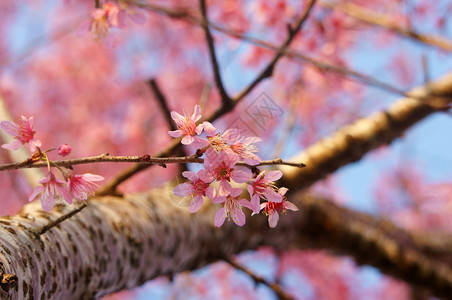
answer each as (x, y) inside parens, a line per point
(117, 243)
(371, 18)
(352, 142)
(161, 100)
(225, 99)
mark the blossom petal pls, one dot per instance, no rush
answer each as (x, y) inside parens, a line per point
(183, 189)
(238, 216)
(175, 133)
(219, 199)
(273, 196)
(196, 114)
(9, 127)
(220, 216)
(13, 145)
(190, 175)
(205, 176)
(92, 177)
(211, 192)
(196, 204)
(47, 201)
(290, 206)
(209, 128)
(240, 176)
(224, 188)
(273, 175)
(178, 118)
(199, 142)
(187, 140)
(35, 193)
(273, 219)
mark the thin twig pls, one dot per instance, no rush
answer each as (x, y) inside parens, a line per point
(257, 279)
(163, 103)
(225, 99)
(145, 160)
(383, 21)
(54, 223)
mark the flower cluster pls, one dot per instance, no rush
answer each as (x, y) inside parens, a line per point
(72, 187)
(222, 152)
(111, 15)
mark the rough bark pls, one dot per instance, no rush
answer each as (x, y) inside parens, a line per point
(118, 243)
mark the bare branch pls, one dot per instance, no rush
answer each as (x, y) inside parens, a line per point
(161, 100)
(279, 291)
(372, 18)
(225, 99)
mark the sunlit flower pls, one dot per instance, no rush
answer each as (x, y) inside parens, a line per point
(22, 133)
(64, 149)
(187, 125)
(232, 207)
(50, 190)
(272, 209)
(264, 186)
(223, 171)
(242, 146)
(195, 189)
(82, 186)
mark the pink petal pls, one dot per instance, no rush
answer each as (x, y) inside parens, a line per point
(272, 196)
(9, 127)
(13, 145)
(251, 140)
(178, 118)
(240, 176)
(175, 133)
(196, 114)
(248, 204)
(250, 190)
(199, 129)
(273, 175)
(291, 206)
(231, 136)
(183, 189)
(199, 142)
(273, 219)
(225, 188)
(282, 191)
(219, 199)
(253, 161)
(255, 204)
(187, 140)
(209, 128)
(190, 175)
(92, 177)
(205, 176)
(196, 204)
(35, 193)
(220, 216)
(211, 192)
(47, 202)
(238, 216)
(235, 192)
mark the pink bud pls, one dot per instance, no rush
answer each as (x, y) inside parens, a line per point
(64, 149)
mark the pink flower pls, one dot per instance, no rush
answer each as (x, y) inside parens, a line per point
(22, 133)
(217, 144)
(196, 189)
(51, 189)
(187, 125)
(265, 187)
(272, 209)
(64, 149)
(100, 22)
(243, 148)
(82, 186)
(232, 207)
(223, 170)
(128, 12)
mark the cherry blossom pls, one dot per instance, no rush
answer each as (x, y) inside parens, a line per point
(196, 189)
(64, 149)
(223, 171)
(82, 186)
(232, 207)
(128, 12)
(243, 148)
(100, 22)
(187, 125)
(22, 133)
(51, 189)
(263, 185)
(272, 209)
